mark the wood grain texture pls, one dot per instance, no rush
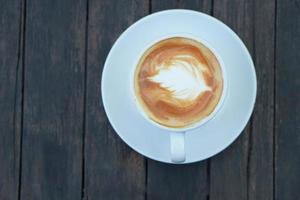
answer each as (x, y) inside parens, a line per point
(260, 166)
(53, 100)
(166, 181)
(70, 151)
(228, 172)
(198, 5)
(230, 169)
(11, 14)
(112, 169)
(287, 100)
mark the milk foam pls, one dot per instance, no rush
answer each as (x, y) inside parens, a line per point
(182, 76)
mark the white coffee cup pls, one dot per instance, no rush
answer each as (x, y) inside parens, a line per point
(177, 135)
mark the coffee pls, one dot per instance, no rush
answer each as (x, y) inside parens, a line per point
(178, 82)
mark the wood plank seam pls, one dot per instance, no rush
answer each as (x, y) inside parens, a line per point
(211, 12)
(212, 8)
(274, 102)
(150, 7)
(84, 102)
(146, 177)
(22, 64)
(250, 139)
(208, 179)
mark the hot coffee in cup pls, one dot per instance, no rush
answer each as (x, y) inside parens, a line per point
(178, 82)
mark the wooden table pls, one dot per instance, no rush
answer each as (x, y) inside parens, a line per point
(56, 142)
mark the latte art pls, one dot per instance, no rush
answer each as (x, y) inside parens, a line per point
(178, 82)
(186, 69)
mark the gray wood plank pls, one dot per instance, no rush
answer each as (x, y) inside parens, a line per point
(11, 16)
(287, 101)
(260, 166)
(228, 172)
(53, 100)
(229, 169)
(198, 5)
(166, 181)
(112, 169)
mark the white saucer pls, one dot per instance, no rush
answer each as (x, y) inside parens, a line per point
(213, 136)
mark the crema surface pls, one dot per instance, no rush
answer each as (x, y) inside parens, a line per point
(178, 82)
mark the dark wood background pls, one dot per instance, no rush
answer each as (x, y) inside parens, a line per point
(56, 142)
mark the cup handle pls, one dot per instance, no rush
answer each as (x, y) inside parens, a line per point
(177, 147)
